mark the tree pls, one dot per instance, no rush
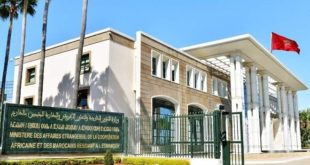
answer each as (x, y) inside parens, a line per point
(13, 7)
(42, 59)
(79, 55)
(304, 117)
(108, 158)
(32, 4)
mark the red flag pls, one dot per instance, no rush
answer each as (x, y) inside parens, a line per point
(283, 43)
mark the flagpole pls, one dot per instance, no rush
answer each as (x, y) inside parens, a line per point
(271, 44)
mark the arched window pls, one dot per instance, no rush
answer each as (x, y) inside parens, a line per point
(195, 117)
(162, 123)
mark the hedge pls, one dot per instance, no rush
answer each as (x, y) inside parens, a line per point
(98, 160)
(73, 161)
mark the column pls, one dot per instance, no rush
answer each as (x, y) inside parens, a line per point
(295, 102)
(248, 120)
(255, 111)
(233, 82)
(262, 111)
(236, 82)
(279, 140)
(267, 130)
(292, 120)
(248, 102)
(285, 118)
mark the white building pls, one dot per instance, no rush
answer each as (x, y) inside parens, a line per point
(137, 76)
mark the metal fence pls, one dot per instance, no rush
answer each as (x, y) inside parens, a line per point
(173, 136)
(212, 136)
(233, 149)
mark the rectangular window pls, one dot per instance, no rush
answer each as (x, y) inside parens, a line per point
(189, 77)
(214, 86)
(219, 87)
(31, 76)
(83, 98)
(174, 71)
(156, 63)
(203, 83)
(85, 63)
(225, 90)
(28, 101)
(154, 66)
(165, 67)
(196, 80)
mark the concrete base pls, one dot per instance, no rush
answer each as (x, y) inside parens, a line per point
(206, 161)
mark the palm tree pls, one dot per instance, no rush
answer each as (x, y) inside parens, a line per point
(42, 60)
(4, 14)
(79, 55)
(32, 3)
(14, 7)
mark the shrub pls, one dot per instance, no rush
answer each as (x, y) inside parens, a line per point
(108, 158)
(117, 159)
(97, 161)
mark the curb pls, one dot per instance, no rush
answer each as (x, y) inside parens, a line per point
(277, 161)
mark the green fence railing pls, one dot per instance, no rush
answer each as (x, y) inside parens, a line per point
(174, 136)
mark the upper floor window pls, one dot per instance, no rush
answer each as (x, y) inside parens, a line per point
(189, 76)
(164, 67)
(85, 63)
(155, 63)
(203, 83)
(196, 79)
(174, 71)
(219, 87)
(31, 75)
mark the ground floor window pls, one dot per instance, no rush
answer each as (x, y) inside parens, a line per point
(195, 124)
(83, 98)
(162, 123)
(28, 101)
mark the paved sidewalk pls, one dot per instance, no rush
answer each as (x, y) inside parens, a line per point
(296, 158)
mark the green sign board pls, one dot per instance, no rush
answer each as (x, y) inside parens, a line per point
(33, 129)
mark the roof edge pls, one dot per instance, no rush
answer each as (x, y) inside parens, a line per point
(254, 42)
(77, 38)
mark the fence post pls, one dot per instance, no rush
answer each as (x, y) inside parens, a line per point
(125, 132)
(226, 152)
(217, 133)
(241, 135)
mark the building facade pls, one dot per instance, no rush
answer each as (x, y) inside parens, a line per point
(147, 77)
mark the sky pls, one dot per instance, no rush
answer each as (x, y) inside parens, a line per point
(177, 22)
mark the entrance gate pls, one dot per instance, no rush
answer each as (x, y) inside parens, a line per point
(214, 135)
(232, 139)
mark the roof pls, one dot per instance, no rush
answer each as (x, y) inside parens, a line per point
(251, 51)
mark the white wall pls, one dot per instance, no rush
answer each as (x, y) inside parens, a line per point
(121, 96)
(58, 79)
(110, 79)
(30, 90)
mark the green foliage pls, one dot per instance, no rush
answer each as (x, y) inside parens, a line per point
(117, 159)
(108, 158)
(73, 161)
(304, 117)
(157, 161)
